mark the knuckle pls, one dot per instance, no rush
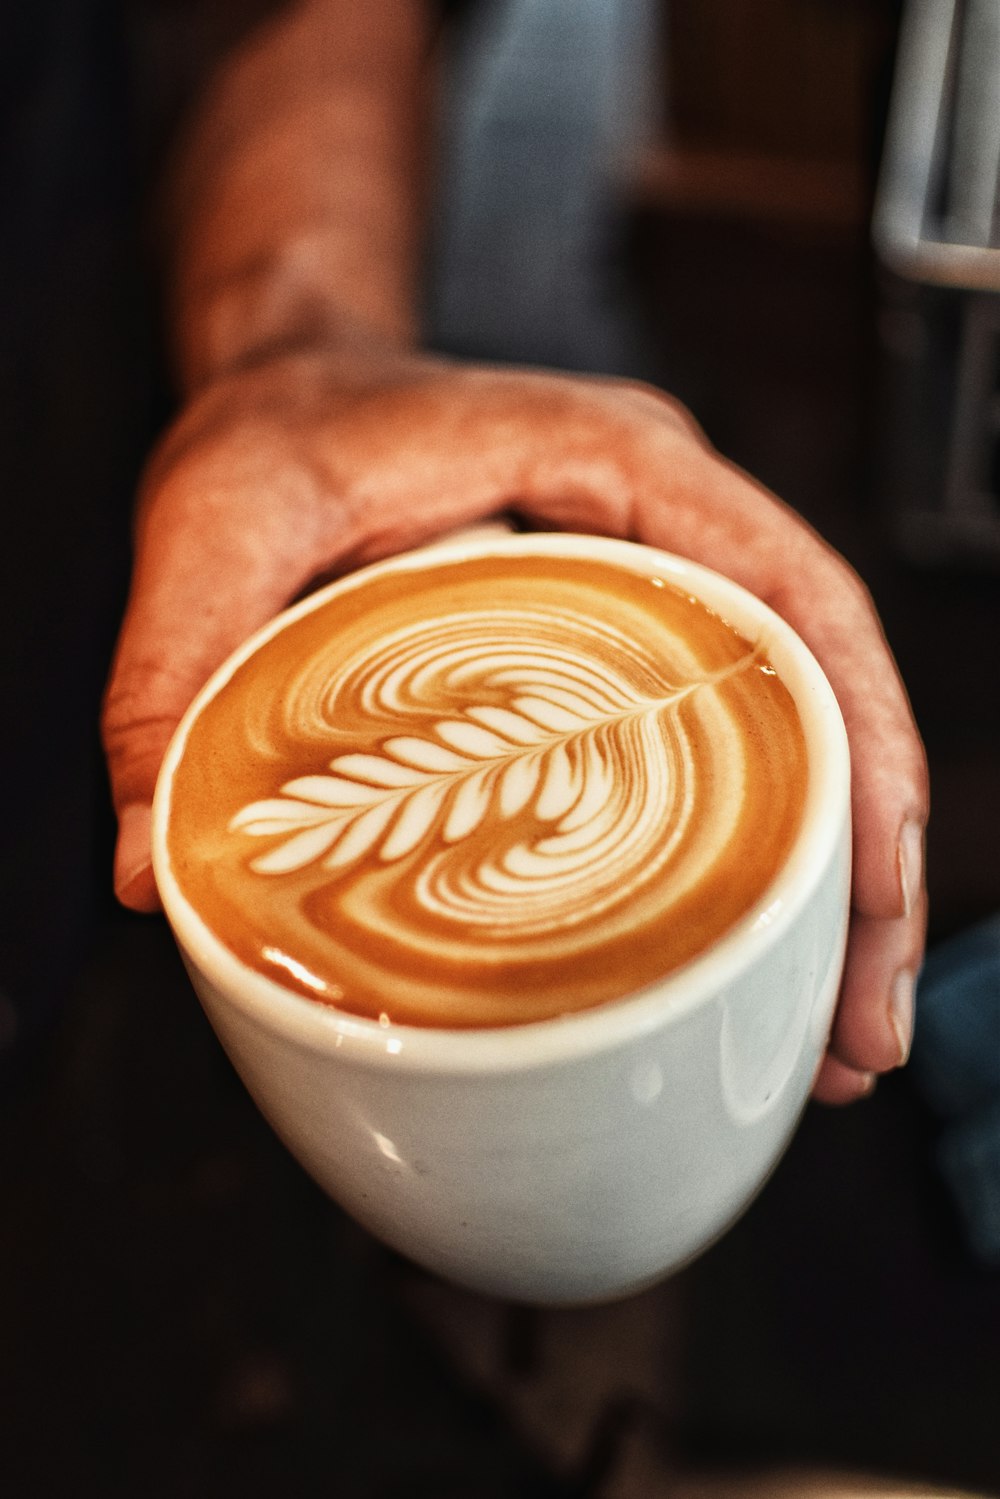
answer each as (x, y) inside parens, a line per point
(656, 405)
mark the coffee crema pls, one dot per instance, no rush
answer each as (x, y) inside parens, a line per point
(488, 791)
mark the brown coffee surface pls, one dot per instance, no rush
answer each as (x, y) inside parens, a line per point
(488, 792)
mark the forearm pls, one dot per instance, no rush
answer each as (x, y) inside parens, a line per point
(294, 212)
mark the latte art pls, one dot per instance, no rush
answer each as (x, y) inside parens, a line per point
(603, 768)
(487, 792)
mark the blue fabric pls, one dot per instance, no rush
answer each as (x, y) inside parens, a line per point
(956, 1066)
(545, 106)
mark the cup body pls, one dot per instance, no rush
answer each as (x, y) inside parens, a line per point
(576, 1159)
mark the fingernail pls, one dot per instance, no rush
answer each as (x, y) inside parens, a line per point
(133, 856)
(910, 863)
(901, 1012)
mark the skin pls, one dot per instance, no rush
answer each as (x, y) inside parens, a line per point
(314, 436)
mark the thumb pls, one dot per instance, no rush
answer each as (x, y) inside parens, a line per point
(159, 665)
(198, 590)
(201, 585)
(165, 653)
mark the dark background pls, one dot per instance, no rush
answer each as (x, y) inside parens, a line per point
(181, 1312)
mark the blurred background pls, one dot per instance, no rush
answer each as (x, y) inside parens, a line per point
(785, 212)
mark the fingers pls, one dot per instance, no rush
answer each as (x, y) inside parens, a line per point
(838, 1084)
(717, 516)
(729, 523)
(873, 1026)
(874, 1022)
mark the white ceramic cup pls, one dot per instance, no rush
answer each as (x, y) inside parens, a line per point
(575, 1159)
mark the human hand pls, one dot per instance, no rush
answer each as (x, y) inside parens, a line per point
(309, 464)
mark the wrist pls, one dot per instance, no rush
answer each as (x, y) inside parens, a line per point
(281, 302)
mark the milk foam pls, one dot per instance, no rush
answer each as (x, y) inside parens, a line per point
(602, 768)
(524, 794)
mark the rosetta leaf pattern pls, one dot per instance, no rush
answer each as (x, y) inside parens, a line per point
(547, 751)
(514, 758)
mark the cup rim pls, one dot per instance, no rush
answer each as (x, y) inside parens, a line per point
(321, 1027)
